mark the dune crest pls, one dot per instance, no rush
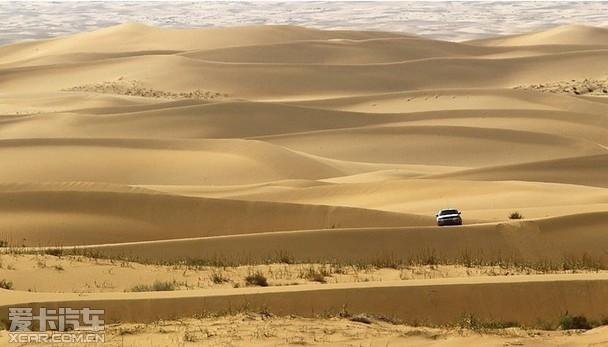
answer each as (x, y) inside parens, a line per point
(573, 34)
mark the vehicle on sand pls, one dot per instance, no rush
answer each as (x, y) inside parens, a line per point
(449, 216)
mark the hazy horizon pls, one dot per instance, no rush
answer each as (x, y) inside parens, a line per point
(454, 21)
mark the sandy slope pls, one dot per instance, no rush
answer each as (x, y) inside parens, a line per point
(133, 37)
(562, 35)
(260, 330)
(73, 214)
(315, 81)
(132, 161)
(579, 238)
(459, 99)
(498, 298)
(444, 145)
(403, 194)
(245, 142)
(586, 170)
(60, 274)
(383, 50)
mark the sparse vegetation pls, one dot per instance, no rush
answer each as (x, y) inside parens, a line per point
(137, 88)
(285, 258)
(584, 262)
(131, 330)
(256, 279)
(470, 258)
(516, 215)
(5, 284)
(3, 243)
(387, 262)
(471, 322)
(56, 252)
(200, 262)
(218, 278)
(191, 336)
(587, 86)
(157, 286)
(568, 322)
(41, 263)
(314, 274)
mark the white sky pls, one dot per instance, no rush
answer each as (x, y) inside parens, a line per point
(457, 20)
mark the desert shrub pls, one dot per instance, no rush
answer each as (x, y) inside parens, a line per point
(256, 279)
(314, 275)
(4, 284)
(471, 322)
(203, 262)
(56, 252)
(191, 336)
(584, 262)
(569, 322)
(285, 258)
(516, 215)
(142, 288)
(388, 261)
(157, 286)
(217, 278)
(427, 257)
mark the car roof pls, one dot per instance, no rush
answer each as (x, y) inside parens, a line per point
(447, 209)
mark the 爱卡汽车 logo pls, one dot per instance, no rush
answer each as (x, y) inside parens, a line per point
(60, 325)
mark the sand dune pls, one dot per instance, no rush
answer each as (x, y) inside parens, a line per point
(384, 50)
(487, 299)
(193, 119)
(422, 196)
(459, 99)
(436, 145)
(549, 240)
(242, 329)
(73, 214)
(562, 35)
(315, 81)
(155, 161)
(371, 51)
(134, 37)
(174, 120)
(22, 104)
(245, 143)
(588, 171)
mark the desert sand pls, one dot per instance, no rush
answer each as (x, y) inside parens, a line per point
(317, 158)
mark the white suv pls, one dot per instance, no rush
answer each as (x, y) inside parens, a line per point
(448, 216)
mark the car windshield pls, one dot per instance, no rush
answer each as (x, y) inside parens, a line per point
(447, 212)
